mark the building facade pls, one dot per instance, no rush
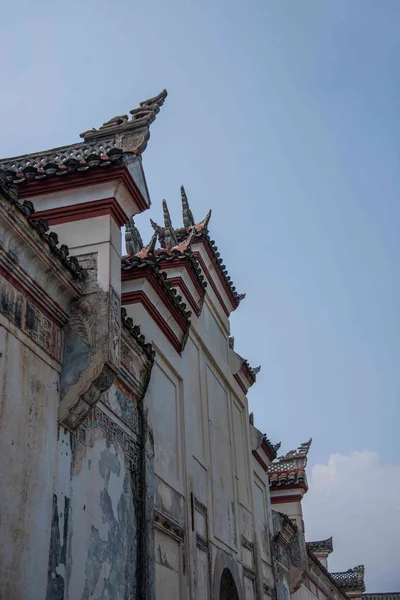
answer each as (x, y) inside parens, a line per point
(130, 466)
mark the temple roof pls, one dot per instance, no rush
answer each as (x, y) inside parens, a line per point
(41, 227)
(100, 147)
(170, 237)
(351, 580)
(325, 546)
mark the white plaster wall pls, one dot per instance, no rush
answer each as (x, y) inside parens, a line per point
(28, 436)
(168, 567)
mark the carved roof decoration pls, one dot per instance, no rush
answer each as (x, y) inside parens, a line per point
(100, 148)
(27, 209)
(134, 330)
(289, 469)
(141, 118)
(322, 546)
(169, 236)
(351, 580)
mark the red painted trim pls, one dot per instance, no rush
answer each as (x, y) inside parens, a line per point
(241, 384)
(246, 373)
(260, 460)
(139, 297)
(85, 210)
(49, 185)
(211, 281)
(162, 292)
(286, 499)
(184, 262)
(218, 270)
(36, 300)
(267, 450)
(178, 282)
(290, 486)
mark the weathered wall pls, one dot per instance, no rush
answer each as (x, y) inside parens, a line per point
(102, 540)
(98, 505)
(29, 384)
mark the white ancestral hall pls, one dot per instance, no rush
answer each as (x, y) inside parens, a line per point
(130, 467)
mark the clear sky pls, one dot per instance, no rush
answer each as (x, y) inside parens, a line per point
(283, 117)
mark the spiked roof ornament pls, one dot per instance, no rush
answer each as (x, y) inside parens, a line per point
(188, 220)
(170, 236)
(133, 238)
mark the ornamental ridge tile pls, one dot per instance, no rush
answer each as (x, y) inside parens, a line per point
(351, 580)
(168, 237)
(321, 546)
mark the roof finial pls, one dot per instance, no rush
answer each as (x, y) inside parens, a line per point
(170, 236)
(133, 238)
(188, 219)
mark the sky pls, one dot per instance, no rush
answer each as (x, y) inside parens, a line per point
(282, 116)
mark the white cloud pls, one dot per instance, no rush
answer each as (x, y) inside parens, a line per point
(357, 500)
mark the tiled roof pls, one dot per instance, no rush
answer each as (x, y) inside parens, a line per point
(197, 230)
(134, 330)
(351, 580)
(76, 158)
(273, 448)
(101, 147)
(321, 546)
(27, 209)
(135, 262)
(290, 478)
(384, 596)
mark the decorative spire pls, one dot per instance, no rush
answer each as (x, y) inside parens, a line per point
(188, 219)
(133, 238)
(170, 236)
(203, 225)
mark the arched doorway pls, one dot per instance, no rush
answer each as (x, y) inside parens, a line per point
(227, 588)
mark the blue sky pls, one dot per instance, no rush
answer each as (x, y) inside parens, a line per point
(282, 116)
